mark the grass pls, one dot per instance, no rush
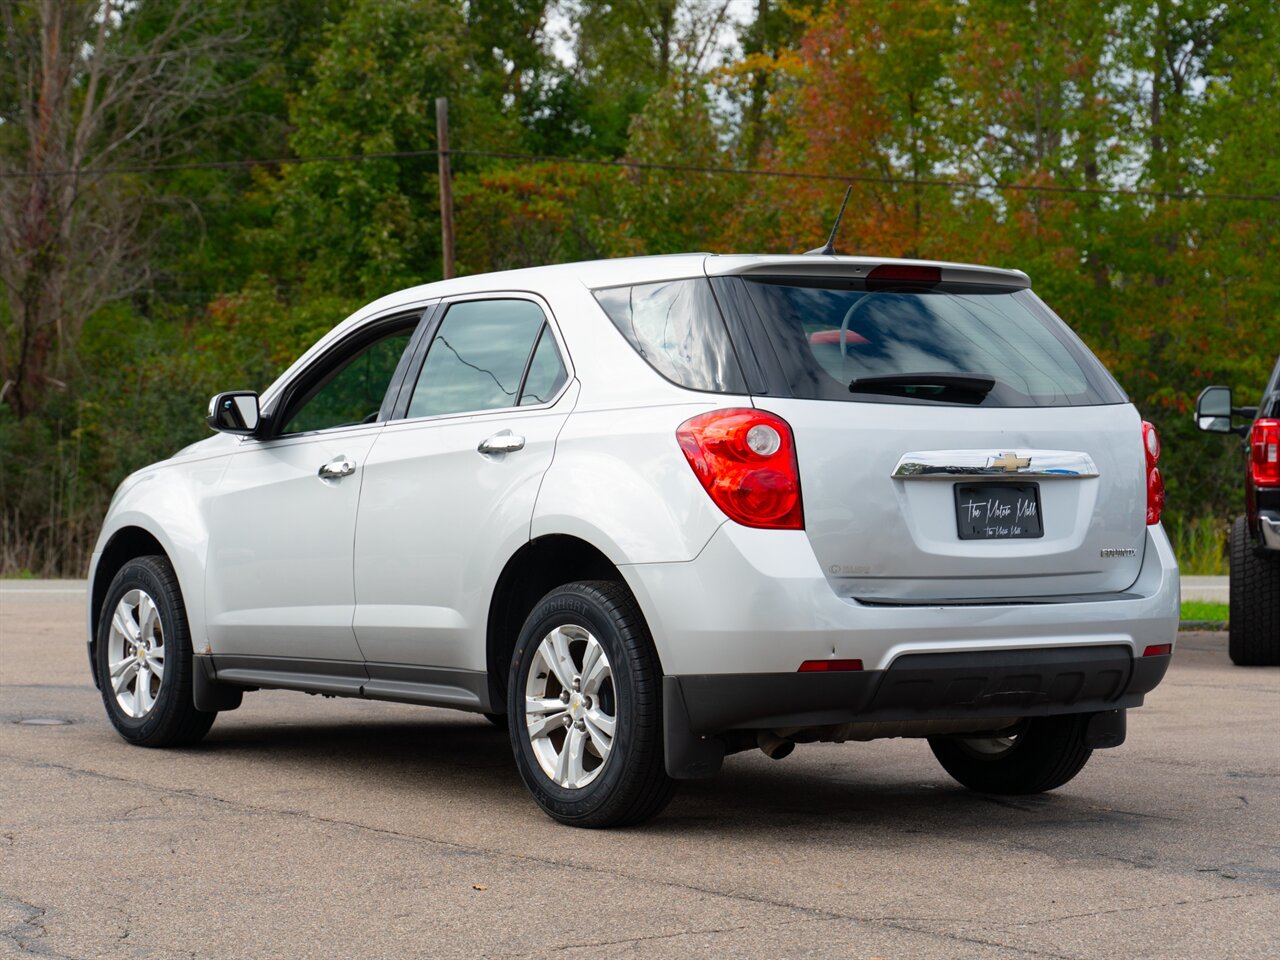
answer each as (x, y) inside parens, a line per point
(1204, 610)
(1199, 544)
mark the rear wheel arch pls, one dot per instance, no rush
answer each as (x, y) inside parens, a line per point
(532, 572)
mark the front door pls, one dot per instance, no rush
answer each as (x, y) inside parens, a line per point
(279, 577)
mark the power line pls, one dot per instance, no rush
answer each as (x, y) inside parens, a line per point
(950, 184)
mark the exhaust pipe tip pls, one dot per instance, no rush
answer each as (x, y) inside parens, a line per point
(774, 747)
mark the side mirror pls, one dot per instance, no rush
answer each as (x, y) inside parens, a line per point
(235, 412)
(1213, 410)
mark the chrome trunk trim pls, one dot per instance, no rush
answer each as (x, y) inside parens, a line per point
(1011, 464)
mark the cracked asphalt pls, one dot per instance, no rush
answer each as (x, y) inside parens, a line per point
(309, 827)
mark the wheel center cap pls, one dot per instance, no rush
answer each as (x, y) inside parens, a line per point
(575, 704)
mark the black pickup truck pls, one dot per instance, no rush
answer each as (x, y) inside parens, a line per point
(1255, 537)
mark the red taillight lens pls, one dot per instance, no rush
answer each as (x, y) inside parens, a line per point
(828, 666)
(1264, 453)
(1158, 650)
(746, 461)
(1155, 482)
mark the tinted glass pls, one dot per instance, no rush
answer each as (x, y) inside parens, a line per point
(676, 326)
(829, 333)
(352, 393)
(477, 357)
(546, 371)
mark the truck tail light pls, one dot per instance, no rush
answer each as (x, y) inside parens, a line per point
(1155, 482)
(746, 460)
(1264, 453)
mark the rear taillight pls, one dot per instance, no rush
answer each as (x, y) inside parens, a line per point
(1155, 482)
(746, 461)
(1264, 453)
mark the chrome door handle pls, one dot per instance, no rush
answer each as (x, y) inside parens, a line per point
(501, 443)
(337, 469)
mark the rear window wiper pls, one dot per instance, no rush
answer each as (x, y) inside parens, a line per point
(936, 386)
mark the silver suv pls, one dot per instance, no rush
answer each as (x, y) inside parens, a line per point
(647, 513)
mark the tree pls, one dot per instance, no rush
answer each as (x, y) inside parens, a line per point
(84, 84)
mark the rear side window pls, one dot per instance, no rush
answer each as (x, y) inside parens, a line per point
(989, 346)
(477, 358)
(677, 328)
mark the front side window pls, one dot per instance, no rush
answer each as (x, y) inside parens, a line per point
(478, 357)
(351, 392)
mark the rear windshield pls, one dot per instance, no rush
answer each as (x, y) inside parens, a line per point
(946, 343)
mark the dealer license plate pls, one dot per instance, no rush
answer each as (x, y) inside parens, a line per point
(998, 511)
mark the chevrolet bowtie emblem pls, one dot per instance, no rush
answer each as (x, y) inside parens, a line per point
(1009, 462)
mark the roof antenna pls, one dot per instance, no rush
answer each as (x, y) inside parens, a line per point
(830, 248)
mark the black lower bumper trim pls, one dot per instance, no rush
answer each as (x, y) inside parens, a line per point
(935, 686)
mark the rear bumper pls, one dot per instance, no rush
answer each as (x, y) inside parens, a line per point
(757, 602)
(1269, 521)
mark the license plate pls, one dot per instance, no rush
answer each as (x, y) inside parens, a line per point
(998, 511)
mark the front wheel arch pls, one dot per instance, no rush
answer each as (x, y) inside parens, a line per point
(126, 544)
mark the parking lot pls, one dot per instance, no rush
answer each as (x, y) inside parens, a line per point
(309, 827)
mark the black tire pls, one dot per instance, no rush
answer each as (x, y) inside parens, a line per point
(631, 785)
(1253, 635)
(173, 720)
(1046, 753)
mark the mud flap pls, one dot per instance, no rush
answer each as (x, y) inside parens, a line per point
(209, 695)
(688, 756)
(1106, 729)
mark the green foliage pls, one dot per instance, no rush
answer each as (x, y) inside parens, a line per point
(1199, 544)
(249, 265)
(1205, 612)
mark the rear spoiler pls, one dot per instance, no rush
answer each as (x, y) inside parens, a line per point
(858, 268)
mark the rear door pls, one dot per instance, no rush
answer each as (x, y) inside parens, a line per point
(956, 442)
(450, 484)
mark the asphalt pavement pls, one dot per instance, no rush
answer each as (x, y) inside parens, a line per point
(311, 827)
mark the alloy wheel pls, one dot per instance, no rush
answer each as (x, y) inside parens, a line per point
(135, 654)
(570, 706)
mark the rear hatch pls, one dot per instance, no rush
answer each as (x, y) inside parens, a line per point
(956, 441)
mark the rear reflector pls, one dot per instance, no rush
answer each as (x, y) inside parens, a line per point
(827, 666)
(903, 271)
(1158, 650)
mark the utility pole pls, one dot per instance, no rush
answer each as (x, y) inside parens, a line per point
(446, 185)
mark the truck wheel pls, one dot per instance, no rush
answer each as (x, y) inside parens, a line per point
(584, 708)
(1043, 754)
(1253, 636)
(144, 659)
